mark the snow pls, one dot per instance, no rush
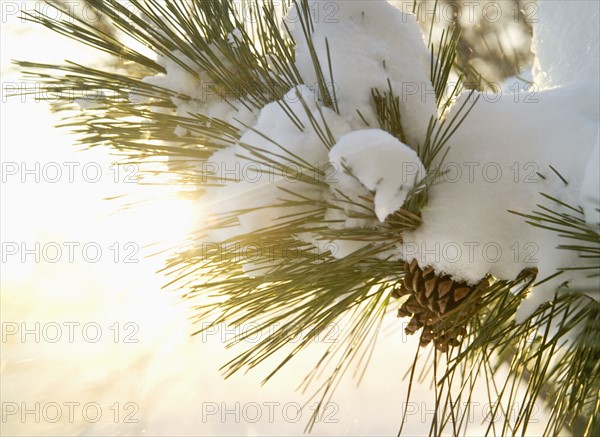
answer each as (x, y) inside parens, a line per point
(386, 44)
(382, 164)
(256, 189)
(370, 42)
(492, 169)
(197, 94)
(177, 78)
(589, 196)
(234, 37)
(566, 42)
(522, 82)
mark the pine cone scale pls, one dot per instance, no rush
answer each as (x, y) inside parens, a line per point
(461, 293)
(445, 287)
(430, 287)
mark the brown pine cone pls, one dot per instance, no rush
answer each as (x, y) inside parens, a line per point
(431, 299)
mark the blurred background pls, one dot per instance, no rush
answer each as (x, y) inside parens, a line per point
(91, 342)
(494, 41)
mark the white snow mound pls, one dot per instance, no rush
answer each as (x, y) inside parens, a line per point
(382, 164)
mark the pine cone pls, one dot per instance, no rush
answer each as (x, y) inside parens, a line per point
(433, 298)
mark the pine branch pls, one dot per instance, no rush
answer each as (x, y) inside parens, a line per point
(251, 63)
